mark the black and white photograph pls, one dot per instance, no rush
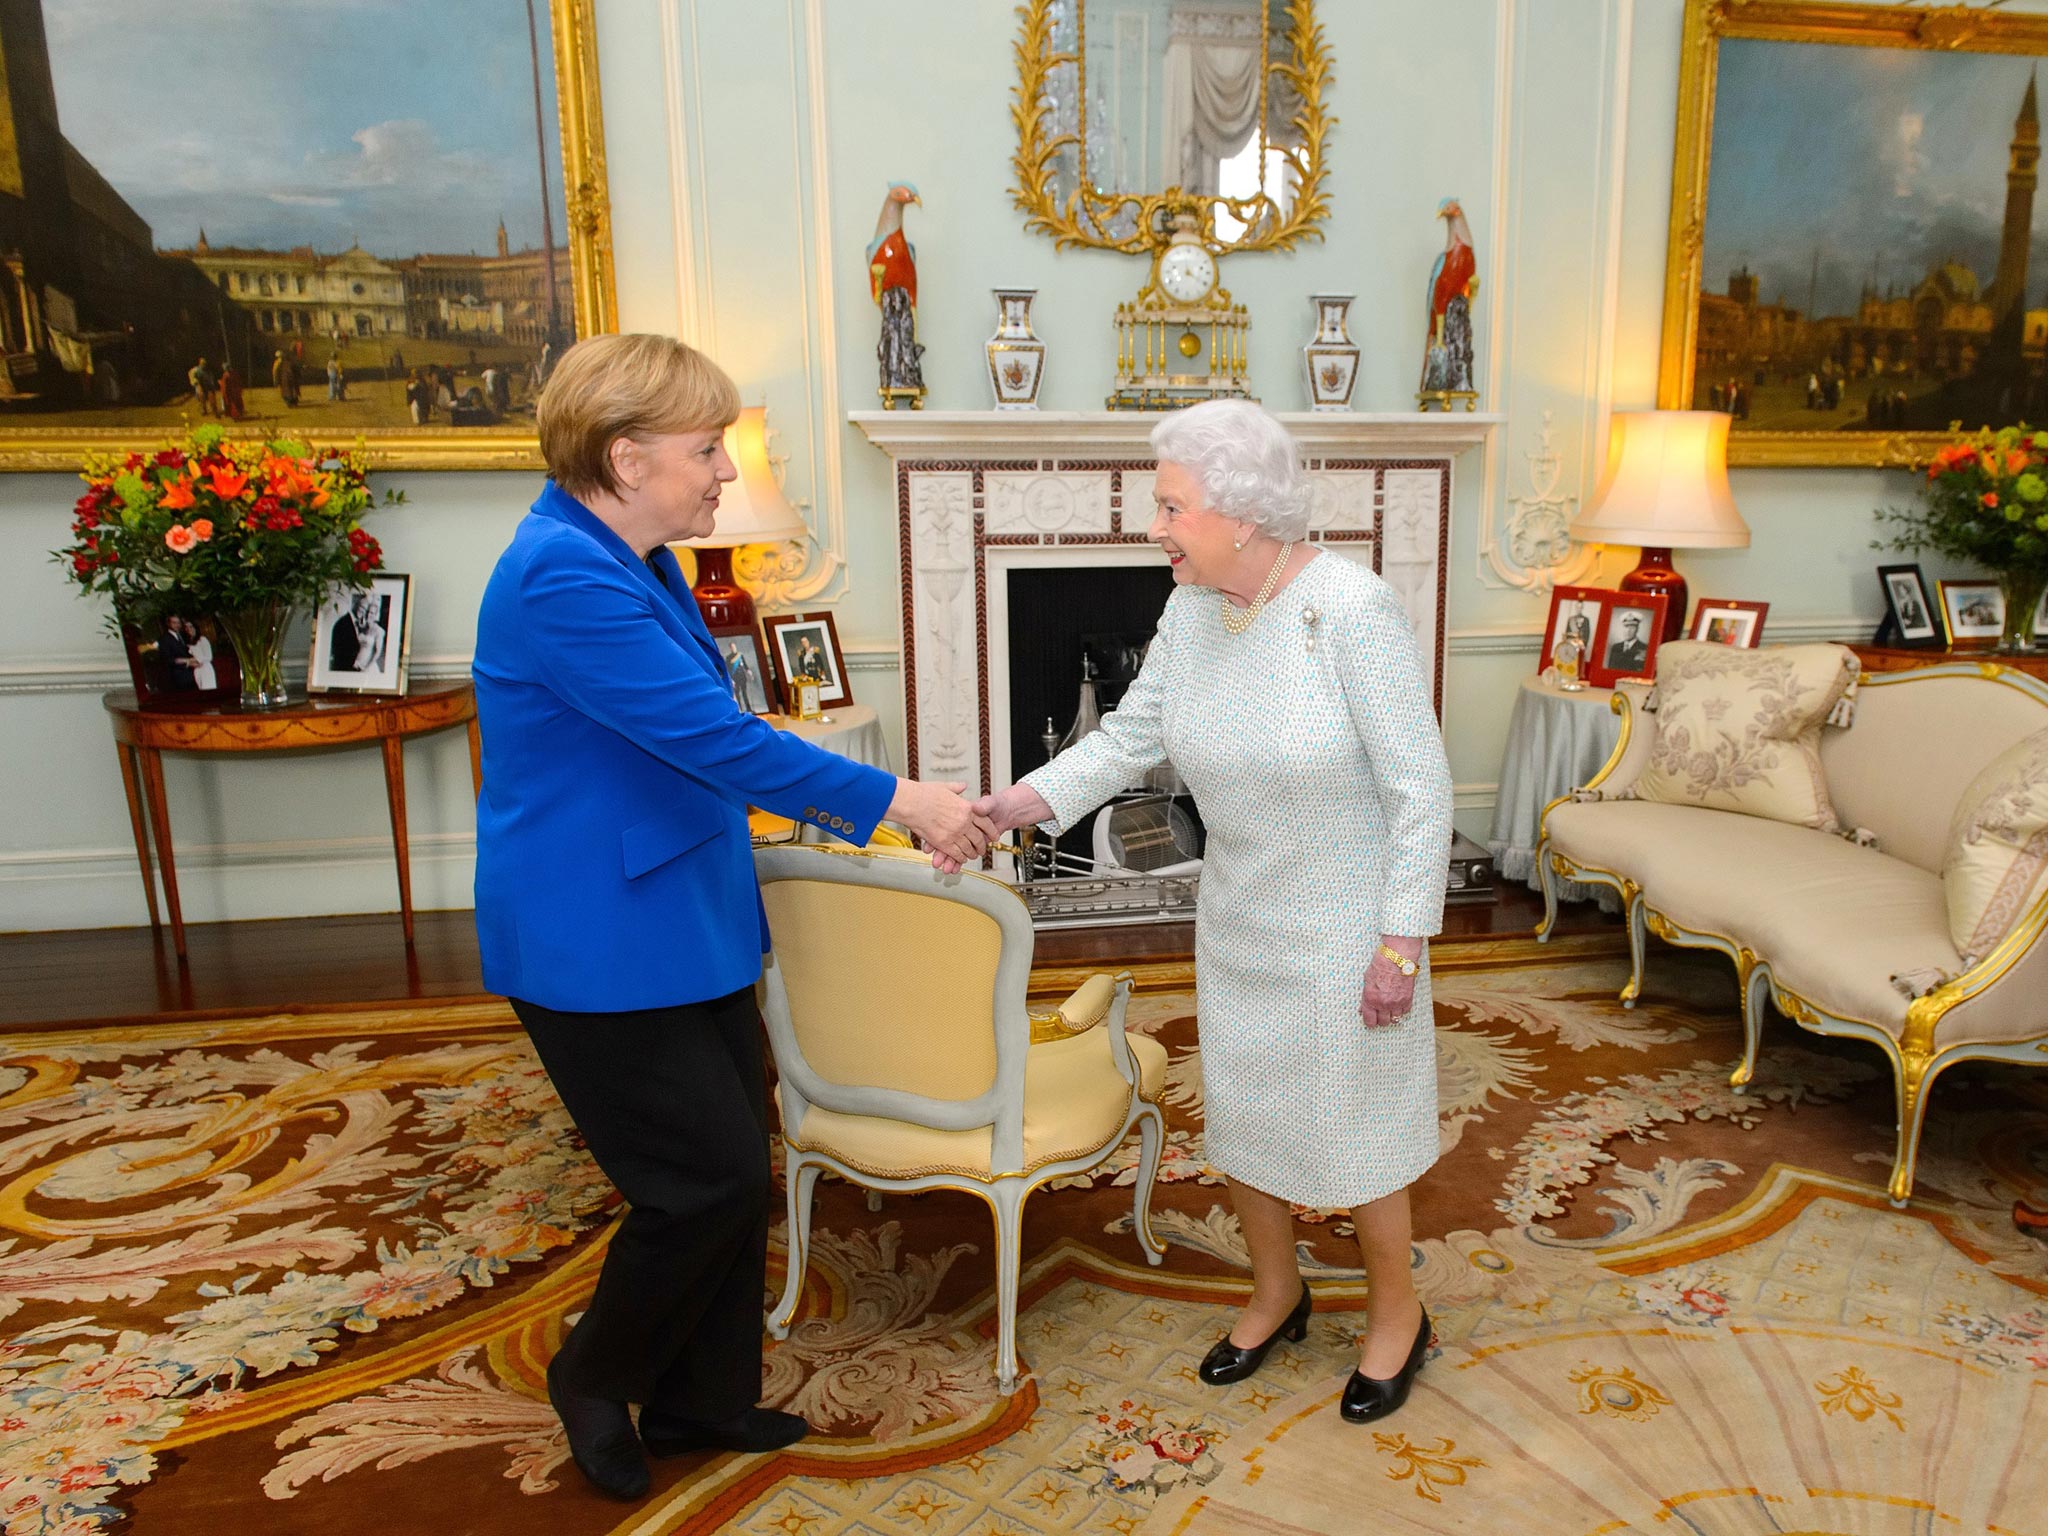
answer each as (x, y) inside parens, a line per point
(1628, 640)
(1973, 612)
(1913, 621)
(362, 638)
(2041, 618)
(806, 648)
(1575, 613)
(746, 664)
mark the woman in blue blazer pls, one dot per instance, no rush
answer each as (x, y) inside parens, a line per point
(616, 903)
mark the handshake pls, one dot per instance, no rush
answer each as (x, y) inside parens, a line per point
(957, 830)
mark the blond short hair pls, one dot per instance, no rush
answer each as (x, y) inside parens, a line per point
(636, 386)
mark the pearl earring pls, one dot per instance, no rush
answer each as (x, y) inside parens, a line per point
(1237, 544)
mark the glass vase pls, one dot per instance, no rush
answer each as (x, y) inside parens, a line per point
(257, 634)
(2022, 591)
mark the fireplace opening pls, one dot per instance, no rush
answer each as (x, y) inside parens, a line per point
(1066, 622)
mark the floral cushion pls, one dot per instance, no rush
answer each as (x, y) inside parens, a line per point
(1739, 730)
(1997, 864)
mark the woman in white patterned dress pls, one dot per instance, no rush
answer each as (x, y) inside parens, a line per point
(1285, 685)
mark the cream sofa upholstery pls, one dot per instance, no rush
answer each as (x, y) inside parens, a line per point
(1816, 923)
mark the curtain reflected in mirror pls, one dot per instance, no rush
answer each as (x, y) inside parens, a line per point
(1140, 96)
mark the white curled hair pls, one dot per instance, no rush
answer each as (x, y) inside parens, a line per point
(1247, 462)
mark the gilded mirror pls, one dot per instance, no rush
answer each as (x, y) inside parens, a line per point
(1125, 106)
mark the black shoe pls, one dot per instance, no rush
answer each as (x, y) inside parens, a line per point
(601, 1440)
(1369, 1397)
(1227, 1362)
(752, 1432)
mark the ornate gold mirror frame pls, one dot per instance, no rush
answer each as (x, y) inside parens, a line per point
(1086, 216)
(1961, 29)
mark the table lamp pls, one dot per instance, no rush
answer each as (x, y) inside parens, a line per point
(1665, 488)
(751, 510)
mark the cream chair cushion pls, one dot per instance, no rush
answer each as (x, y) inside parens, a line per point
(1739, 730)
(1835, 921)
(1997, 864)
(1074, 1104)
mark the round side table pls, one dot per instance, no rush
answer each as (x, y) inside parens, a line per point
(1556, 741)
(142, 734)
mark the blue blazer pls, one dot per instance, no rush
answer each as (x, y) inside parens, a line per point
(614, 868)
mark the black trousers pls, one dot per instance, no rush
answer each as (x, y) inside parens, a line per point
(672, 1103)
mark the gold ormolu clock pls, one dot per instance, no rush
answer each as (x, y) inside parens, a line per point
(1180, 314)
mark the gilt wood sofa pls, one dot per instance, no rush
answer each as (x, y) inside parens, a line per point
(1839, 934)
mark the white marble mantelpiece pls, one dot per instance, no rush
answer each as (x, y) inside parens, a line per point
(981, 493)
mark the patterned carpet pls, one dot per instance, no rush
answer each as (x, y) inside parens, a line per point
(302, 1272)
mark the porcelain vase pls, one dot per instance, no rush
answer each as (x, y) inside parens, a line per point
(1331, 355)
(1016, 357)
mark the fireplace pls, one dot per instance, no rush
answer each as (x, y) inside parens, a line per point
(984, 498)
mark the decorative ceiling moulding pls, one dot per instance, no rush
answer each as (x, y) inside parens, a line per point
(1522, 543)
(1911, 30)
(812, 570)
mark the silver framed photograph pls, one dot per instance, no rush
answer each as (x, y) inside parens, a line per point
(362, 638)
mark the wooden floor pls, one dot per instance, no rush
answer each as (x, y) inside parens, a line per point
(127, 975)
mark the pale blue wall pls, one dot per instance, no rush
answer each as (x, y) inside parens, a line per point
(714, 135)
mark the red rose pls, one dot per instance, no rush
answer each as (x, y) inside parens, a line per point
(1989, 498)
(170, 457)
(81, 564)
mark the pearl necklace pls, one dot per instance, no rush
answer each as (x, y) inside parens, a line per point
(1237, 620)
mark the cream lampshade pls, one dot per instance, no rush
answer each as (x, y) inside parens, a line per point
(751, 510)
(1665, 488)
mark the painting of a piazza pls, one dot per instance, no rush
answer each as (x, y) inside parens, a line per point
(316, 217)
(1874, 255)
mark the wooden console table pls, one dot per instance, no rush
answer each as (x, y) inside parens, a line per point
(1887, 658)
(142, 734)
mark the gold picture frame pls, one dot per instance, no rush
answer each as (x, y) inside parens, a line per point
(1708, 23)
(1084, 216)
(586, 210)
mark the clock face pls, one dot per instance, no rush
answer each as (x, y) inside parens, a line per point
(1186, 273)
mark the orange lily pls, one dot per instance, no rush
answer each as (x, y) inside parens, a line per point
(177, 496)
(228, 483)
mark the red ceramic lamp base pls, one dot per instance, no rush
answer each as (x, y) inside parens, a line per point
(724, 603)
(1655, 574)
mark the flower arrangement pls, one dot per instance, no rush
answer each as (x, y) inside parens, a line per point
(1985, 501)
(240, 528)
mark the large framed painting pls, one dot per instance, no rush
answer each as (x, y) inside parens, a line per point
(381, 220)
(1858, 254)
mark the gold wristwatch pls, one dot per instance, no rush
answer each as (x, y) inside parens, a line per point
(1402, 963)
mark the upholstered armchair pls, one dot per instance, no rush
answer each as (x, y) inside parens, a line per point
(895, 1004)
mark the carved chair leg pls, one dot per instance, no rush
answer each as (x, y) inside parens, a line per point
(1916, 1075)
(1006, 1200)
(1636, 945)
(1151, 1134)
(1755, 981)
(801, 1180)
(1546, 878)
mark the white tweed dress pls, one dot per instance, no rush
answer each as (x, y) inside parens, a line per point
(1320, 774)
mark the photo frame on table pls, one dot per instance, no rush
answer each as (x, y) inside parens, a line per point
(1912, 620)
(1577, 611)
(746, 665)
(1972, 613)
(1875, 129)
(1630, 633)
(805, 647)
(191, 664)
(362, 638)
(442, 233)
(1728, 621)
(2041, 618)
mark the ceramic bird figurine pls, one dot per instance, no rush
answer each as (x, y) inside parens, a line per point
(1447, 355)
(892, 280)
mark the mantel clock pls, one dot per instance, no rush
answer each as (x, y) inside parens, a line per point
(1182, 313)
